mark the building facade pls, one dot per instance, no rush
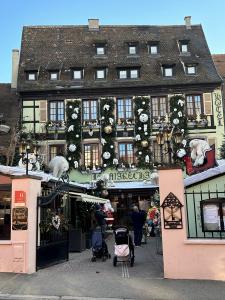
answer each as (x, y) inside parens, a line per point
(100, 94)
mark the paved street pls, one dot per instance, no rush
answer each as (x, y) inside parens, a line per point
(79, 278)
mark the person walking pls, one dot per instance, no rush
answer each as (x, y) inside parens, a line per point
(100, 216)
(138, 220)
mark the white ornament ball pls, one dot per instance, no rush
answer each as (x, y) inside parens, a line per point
(139, 128)
(106, 155)
(70, 106)
(143, 118)
(69, 158)
(105, 165)
(72, 147)
(143, 102)
(74, 116)
(140, 152)
(77, 135)
(111, 146)
(103, 118)
(146, 133)
(175, 109)
(176, 121)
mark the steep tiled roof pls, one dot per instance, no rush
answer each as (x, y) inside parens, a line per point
(66, 47)
(9, 112)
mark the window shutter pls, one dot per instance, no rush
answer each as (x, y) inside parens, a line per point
(207, 99)
(43, 111)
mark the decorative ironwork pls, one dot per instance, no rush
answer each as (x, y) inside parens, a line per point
(172, 213)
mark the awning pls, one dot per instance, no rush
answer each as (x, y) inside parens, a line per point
(87, 198)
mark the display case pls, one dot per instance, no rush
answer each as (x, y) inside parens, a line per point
(213, 215)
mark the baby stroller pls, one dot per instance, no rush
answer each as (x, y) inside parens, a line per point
(99, 246)
(124, 247)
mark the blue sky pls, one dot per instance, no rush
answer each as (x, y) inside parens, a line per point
(14, 14)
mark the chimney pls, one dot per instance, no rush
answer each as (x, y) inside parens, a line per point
(187, 22)
(93, 24)
(15, 66)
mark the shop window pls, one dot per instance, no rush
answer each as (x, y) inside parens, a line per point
(91, 155)
(126, 153)
(124, 108)
(89, 110)
(5, 215)
(213, 215)
(56, 110)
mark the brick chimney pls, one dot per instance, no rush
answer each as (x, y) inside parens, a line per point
(15, 66)
(93, 24)
(187, 20)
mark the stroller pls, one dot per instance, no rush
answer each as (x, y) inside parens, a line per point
(124, 247)
(99, 246)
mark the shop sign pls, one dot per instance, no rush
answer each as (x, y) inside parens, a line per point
(130, 175)
(19, 218)
(20, 197)
(172, 214)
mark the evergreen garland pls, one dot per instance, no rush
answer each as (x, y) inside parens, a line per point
(142, 131)
(107, 139)
(178, 121)
(222, 149)
(73, 133)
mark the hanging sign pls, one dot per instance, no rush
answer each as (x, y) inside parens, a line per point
(172, 214)
(19, 218)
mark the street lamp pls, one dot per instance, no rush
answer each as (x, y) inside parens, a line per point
(27, 158)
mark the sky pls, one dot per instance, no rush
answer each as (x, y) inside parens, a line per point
(14, 14)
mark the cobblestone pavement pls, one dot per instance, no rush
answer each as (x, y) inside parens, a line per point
(81, 279)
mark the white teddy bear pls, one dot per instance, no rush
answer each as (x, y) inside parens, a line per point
(198, 151)
(58, 165)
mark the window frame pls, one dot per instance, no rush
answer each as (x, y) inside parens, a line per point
(92, 115)
(195, 109)
(3, 212)
(153, 44)
(187, 66)
(161, 112)
(128, 73)
(28, 73)
(57, 119)
(183, 43)
(125, 111)
(53, 72)
(81, 71)
(121, 158)
(132, 46)
(104, 72)
(168, 67)
(92, 152)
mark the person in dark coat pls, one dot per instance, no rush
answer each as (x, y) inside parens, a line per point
(100, 216)
(138, 220)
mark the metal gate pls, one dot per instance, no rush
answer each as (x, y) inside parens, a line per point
(52, 229)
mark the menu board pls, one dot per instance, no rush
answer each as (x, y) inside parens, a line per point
(19, 218)
(211, 217)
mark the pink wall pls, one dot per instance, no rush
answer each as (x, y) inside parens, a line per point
(187, 258)
(19, 254)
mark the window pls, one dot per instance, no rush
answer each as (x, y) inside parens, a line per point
(124, 108)
(55, 150)
(153, 48)
(129, 73)
(190, 69)
(54, 75)
(183, 46)
(161, 153)
(126, 153)
(159, 106)
(132, 49)
(5, 215)
(91, 155)
(56, 111)
(78, 74)
(32, 75)
(100, 74)
(194, 105)
(168, 71)
(89, 110)
(100, 50)
(213, 214)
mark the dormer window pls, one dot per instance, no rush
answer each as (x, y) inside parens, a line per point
(153, 48)
(100, 49)
(168, 71)
(31, 75)
(100, 73)
(78, 74)
(129, 73)
(54, 75)
(183, 46)
(190, 69)
(132, 48)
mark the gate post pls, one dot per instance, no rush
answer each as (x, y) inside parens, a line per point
(171, 181)
(25, 190)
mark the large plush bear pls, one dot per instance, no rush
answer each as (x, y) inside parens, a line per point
(198, 151)
(58, 165)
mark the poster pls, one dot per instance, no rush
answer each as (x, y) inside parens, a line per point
(19, 218)
(211, 217)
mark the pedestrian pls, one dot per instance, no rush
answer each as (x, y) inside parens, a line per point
(100, 216)
(138, 221)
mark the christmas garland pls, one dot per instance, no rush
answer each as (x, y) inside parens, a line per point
(178, 120)
(73, 133)
(142, 131)
(108, 131)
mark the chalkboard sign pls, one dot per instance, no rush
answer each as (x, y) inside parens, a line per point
(19, 218)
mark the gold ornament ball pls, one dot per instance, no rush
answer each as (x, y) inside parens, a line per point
(144, 144)
(108, 129)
